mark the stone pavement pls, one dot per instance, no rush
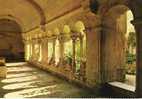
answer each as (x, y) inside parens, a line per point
(26, 81)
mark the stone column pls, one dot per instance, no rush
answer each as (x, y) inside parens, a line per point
(81, 46)
(81, 52)
(82, 62)
(33, 49)
(93, 69)
(25, 47)
(37, 50)
(54, 48)
(93, 33)
(138, 27)
(74, 38)
(44, 50)
(30, 51)
(40, 51)
(61, 50)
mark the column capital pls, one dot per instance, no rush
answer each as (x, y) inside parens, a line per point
(74, 36)
(91, 20)
(62, 38)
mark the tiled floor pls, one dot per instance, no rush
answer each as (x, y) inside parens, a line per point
(26, 81)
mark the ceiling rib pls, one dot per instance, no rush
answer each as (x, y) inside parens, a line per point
(39, 10)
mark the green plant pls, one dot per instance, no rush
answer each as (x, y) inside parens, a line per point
(130, 58)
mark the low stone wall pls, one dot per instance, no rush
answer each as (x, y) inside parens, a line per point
(65, 73)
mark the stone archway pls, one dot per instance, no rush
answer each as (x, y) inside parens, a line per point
(11, 45)
(135, 7)
(113, 43)
(104, 7)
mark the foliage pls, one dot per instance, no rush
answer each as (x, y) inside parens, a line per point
(131, 40)
(130, 58)
(69, 53)
(68, 58)
(130, 63)
(131, 68)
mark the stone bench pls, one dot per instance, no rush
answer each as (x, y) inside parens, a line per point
(3, 69)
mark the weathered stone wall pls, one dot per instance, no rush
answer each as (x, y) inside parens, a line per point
(93, 72)
(113, 55)
(114, 44)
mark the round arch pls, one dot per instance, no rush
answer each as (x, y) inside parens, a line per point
(11, 45)
(39, 10)
(12, 18)
(19, 11)
(114, 43)
(135, 7)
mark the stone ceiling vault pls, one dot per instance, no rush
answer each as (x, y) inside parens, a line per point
(33, 13)
(28, 12)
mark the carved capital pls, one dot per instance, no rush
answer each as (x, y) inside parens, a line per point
(91, 20)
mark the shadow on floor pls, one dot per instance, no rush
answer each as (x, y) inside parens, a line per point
(26, 81)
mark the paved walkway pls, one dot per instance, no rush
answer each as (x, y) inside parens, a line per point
(25, 81)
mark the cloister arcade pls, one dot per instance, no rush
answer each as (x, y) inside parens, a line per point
(82, 41)
(66, 49)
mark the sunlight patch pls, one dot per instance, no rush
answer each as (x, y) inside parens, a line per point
(22, 79)
(24, 85)
(16, 64)
(19, 69)
(18, 75)
(32, 92)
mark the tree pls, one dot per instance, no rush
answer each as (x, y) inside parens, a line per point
(131, 42)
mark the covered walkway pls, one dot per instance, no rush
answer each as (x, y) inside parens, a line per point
(24, 80)
(93, 43)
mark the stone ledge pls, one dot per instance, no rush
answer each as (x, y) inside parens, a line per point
(118, 89)
(123, 86)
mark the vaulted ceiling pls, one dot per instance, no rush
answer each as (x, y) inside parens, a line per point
(32, 13)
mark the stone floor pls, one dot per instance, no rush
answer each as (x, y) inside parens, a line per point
(25, 81)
